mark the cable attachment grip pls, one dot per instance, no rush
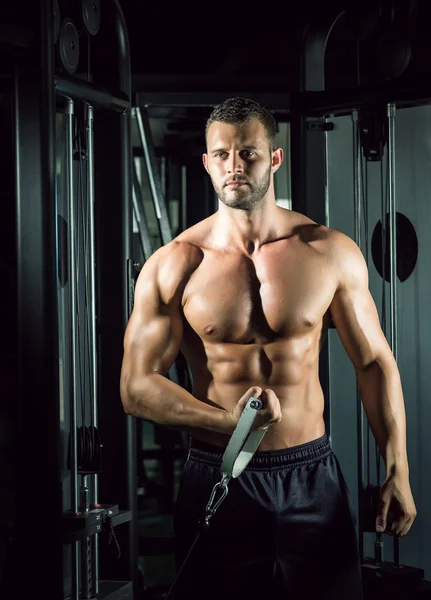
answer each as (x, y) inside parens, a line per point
(223, 486)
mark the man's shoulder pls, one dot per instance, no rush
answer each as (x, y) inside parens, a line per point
(307, 230)
(338, 247)
(179, 257)
(346, 256)
(340, 252)
(333, 240)
(341, 244)
(170, 266)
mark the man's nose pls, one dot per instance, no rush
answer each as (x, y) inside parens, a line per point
(235, 164)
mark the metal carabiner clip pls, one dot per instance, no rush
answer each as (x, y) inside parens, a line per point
(210, 510)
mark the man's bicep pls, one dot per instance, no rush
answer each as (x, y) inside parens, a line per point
(153, 335)
(355, 315)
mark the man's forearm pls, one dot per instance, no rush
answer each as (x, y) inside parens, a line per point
(382, 398)
(155, 398)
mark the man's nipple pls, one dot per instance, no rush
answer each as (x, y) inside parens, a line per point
(209, 329)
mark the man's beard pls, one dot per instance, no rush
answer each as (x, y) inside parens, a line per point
(246, 197)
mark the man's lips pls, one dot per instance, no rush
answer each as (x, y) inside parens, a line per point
(235, 184)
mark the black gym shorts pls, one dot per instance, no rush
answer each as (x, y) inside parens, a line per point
(286, 529)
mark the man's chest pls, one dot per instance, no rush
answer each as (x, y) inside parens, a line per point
(240, 300)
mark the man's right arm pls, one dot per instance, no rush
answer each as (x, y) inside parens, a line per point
(151, 343)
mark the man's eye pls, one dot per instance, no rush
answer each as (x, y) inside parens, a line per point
(248, 153)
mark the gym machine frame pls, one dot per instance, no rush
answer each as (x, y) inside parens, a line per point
(309, 110)
(35, 87)
(83, 522)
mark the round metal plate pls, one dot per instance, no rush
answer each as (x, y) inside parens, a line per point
(91, 15)
(69, 46)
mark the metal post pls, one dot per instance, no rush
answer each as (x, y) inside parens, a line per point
(112, 154)
(357, 194)
(392, 230)
(70, 110)
(183, 197)
(393, 258)
(72, 290)
(93, 319)
(163, 175)
(141, 218)
(357, 176)
(153, 175)
(326, 177)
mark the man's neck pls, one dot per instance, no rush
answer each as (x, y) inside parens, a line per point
(245, 230)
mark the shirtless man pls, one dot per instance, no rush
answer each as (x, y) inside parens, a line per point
(245, 295)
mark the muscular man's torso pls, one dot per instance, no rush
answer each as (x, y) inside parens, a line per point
(260, 319)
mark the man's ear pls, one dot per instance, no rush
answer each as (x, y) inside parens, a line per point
(277, 159)
(205, 161)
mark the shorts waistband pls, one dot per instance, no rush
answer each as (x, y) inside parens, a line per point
(265, 460)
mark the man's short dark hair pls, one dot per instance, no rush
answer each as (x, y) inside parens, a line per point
(241, 110)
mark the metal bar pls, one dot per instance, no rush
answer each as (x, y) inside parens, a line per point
(113, 178)
(274, 101)
(92, 292)
(392, 230)
(153, 174)
(314, 49)
(70, 109)
(356, 177)
(93, 320)
(393, 260)
(73, 304)
(81, 90)
(163, 175)
(86, 569)
(327, 216)
(342, 101)
(183, 197)
(357, 233)
(326, 408)
(141, 218)
(125, 76)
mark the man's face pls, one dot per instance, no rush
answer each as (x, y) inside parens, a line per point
(240, 163)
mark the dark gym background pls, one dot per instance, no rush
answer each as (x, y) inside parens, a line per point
(103, 104)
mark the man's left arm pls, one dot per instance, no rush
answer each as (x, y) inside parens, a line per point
(355, 316)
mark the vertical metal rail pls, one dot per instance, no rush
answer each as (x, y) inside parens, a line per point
(357, 194)
(153, 174)
(70, 114)
(357, 190)
(163, 176)
(93, 320)
(183, 197)
(327, 215)
(141, 218)
(155, 181)
(392, 230)
(391, 111)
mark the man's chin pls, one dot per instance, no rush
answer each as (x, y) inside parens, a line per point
(238, 193)
(238, 203)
